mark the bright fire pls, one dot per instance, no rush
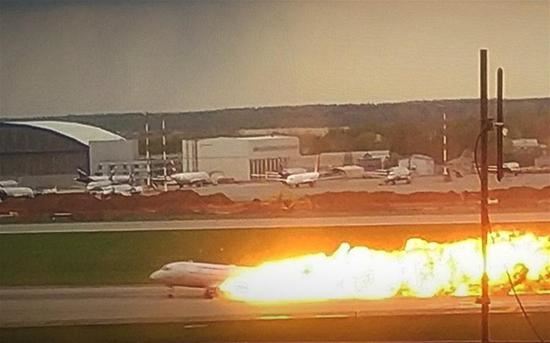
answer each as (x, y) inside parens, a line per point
(421, 269)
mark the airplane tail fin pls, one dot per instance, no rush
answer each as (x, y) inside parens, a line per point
(171, 168)
(317, 163)
(82, 175)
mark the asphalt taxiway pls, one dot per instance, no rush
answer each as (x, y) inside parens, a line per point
(31, 307)
(275, 222)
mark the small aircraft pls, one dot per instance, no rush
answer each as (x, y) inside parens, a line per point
(207, 276)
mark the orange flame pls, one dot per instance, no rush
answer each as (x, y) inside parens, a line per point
(421, 269)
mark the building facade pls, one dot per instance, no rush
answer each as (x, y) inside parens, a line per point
(420, 165)
(240, 158)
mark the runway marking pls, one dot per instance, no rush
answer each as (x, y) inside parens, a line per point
(275, 317)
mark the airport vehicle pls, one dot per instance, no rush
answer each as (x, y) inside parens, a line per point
(508, 167)
(397, 174)
(207, 276)
(16, 192)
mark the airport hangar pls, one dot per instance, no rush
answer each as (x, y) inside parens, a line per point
(47, 153)
(253, 158)
(241, 158)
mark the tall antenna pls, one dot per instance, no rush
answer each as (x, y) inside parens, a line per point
(446, 174)
(147, 153)
(164, 173)
(484, 176)
(500, 126)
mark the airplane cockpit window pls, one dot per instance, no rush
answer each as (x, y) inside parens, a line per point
(165, 268)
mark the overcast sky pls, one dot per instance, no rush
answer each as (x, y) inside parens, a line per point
(115, 56)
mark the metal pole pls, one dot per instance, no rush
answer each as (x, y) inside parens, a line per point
(485, 301)
(500, 126)
(446, 175)
(147, 153)
(165, 174)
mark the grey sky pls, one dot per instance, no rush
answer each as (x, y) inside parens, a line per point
(88, 57)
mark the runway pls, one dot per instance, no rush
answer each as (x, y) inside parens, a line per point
(287, 222)
(28, 307)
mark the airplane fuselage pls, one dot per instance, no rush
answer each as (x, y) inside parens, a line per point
(191, 178)
(16, 192)
(194, 275)
(296, 180)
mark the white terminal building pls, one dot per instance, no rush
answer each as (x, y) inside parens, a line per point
(240, 158)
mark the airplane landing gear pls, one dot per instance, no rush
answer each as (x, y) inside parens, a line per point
(171, 292)
(211, 293)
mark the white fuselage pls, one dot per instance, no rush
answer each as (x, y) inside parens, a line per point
(296, 180)
(17, 192)
(98, 185)
(8, 183)
(122, 189)
(194, 275)
(191, 178)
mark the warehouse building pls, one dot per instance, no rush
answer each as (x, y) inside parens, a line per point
(240, 158)
(420, 165)
(47, 153)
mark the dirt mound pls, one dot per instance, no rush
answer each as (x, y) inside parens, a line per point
(181, 203)
(86, 206)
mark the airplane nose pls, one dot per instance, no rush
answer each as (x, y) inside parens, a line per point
(155, 275)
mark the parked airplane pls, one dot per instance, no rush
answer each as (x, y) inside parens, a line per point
(303, 178)
(103, 185)
(182, 179)
(207, 276)
(113, 179)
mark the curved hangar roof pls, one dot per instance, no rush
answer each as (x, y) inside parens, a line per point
(80, 132)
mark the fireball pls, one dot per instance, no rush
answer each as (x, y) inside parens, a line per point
(420, 269)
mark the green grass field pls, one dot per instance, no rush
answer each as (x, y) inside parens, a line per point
(507, 327)
(129, 257)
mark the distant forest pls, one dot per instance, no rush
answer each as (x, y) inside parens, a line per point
(404, 128)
